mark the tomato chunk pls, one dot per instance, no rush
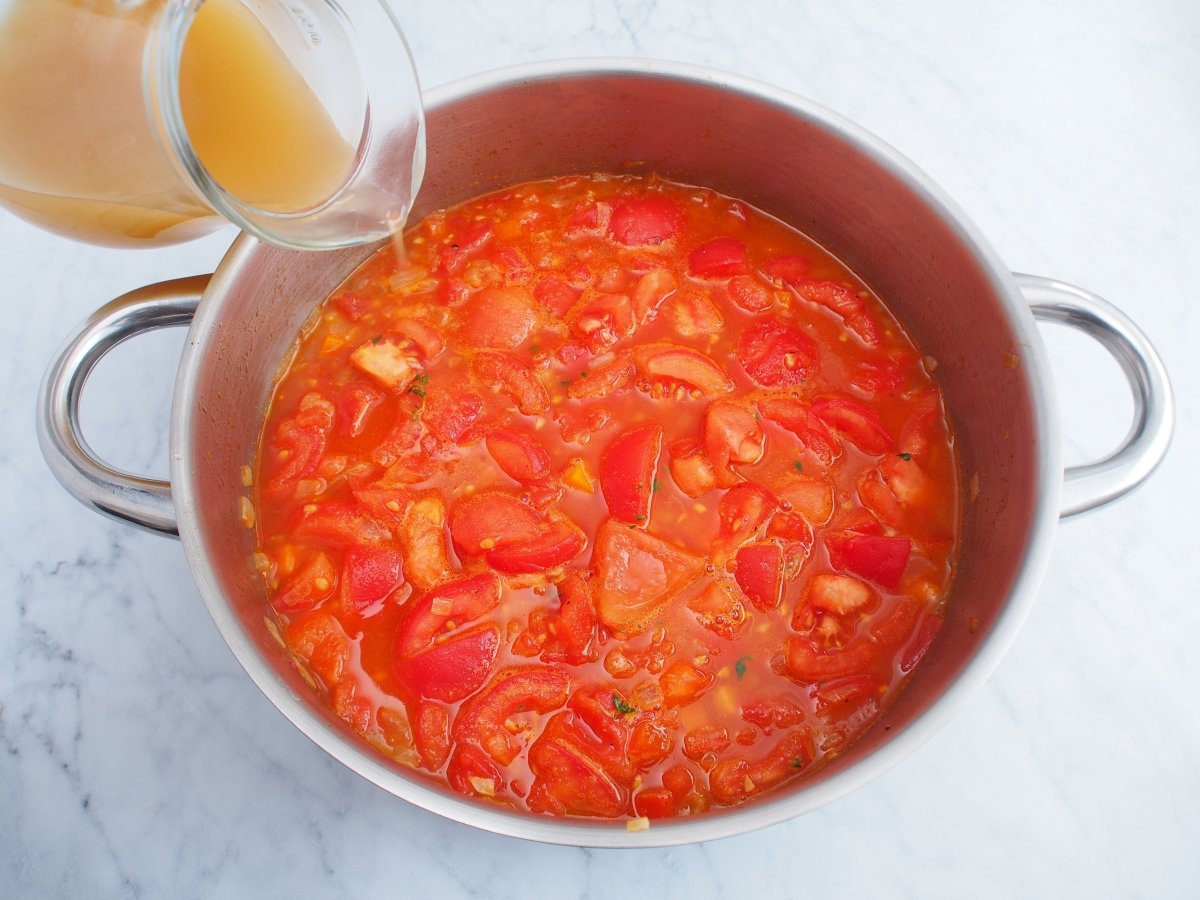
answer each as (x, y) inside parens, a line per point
(459, 602)
(797, 418)
(627, 470)
(500, 317)
(451, 669)
(676, 370)
(855, 421)
(489, 519)
(502, 372)
(637, 574)
(875, 557)
(645, 220)
(734, 779)
(452, 412)
(808, 665)
(759, 574)
(308, 587)
(370, 574)
(691, 469)
(777, 354)
(744, 511)
(557, 544)
(731, 435)
(519, 454)
(719, 258)
(481, 720)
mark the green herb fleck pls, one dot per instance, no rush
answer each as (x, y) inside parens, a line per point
(533, 348)
(740, 666)
(419, 386)
(640, 518)
(583, 373)
(798, 466)
(377, 339)
(656, 486)
(622, 708)
(565, 382)
(798, 762)
(906, 456)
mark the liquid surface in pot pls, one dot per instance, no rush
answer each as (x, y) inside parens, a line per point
(618, 499)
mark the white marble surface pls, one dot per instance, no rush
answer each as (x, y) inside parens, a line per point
(137, 760)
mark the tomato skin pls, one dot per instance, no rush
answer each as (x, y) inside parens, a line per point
(843, 301)
(784, 271)
(749, 293)
(519, 455)
(874, 557)
(354, 403)
(627, 470)
(452, 411)
(759, 574)
(777, 354)
(469, 762)
(719, 258)
(645, 220)
(769, 714)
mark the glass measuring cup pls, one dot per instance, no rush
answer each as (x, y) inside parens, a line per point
(149, 122)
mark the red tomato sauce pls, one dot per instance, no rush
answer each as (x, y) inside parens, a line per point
(618, 498)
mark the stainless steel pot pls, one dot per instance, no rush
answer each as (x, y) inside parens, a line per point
(779, 152)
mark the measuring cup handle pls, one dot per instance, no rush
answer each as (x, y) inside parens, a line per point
(145, 502)
(1095, 484)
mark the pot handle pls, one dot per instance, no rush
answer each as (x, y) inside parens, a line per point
(145, 502)
(1095, 484)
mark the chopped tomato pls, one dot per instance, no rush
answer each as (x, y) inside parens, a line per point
(691, 469)
(338, 523)
(556, 296)
(605, 380)
(776, 712)
(370, 574)
(431, 734)
(797, 418)
(567, 779)
(469, 238)
(692, 313)
(473, 773)
(706, 739)
(749, 293)
(637, 574)
(734, 779)
(719, 609)
(784, 271)
(875, 557)
(519, 454)
(559, 542)
(389, 361)
(654, 803)
(719, 258)
(627, 470)
(652, 289)
(732, 435)
(423, 337)
(776, 354)
(855, 421)
(452, 411)
(645, 220)
(808, 665)
(453, 668)
(843, 301)
(676, 370)
(481, 720)
(744, 511)
(444, 608)
(500, 317)
(499, 371)
(682, 683)
(759, 573)
(310, 585)
(603, 320)
(480, 522)
(321, 642)
(354, 403)
(424, 538)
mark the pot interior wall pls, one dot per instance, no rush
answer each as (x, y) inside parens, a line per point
(788, 162)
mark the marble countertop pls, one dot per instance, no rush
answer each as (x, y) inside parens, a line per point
(138, 760)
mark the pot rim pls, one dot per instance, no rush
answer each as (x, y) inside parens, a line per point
(777, 807)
